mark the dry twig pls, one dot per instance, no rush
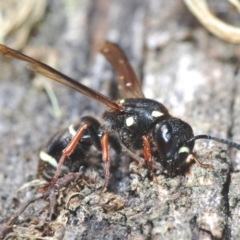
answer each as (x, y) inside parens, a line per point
(217, 27)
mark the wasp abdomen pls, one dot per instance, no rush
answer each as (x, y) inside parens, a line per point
(50, 155)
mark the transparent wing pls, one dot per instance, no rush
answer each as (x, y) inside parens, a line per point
(128, 83)
(51, 73)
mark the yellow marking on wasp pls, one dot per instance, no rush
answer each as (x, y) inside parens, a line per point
(129, 121)
(183, 150)
(157, 114)
(71, 130)
(49, 159)
(122, 101)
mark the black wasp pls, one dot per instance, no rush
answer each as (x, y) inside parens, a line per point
(130, 124)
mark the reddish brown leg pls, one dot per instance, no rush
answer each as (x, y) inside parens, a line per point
(195, 158)
(106, 158)
(148, 156)
(65, 153)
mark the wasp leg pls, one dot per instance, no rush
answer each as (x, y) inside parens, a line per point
(195, 158)
(106, 159)
(148, 157)
(65, 153)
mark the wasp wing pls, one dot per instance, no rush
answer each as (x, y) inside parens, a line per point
(52, 73)
(128, 83)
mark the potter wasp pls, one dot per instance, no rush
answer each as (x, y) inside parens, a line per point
(134, 124)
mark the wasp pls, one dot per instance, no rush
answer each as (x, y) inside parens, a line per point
(142, 127)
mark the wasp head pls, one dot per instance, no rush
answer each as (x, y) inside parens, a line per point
(171, 137)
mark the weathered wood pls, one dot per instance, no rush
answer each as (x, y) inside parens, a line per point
(181, 65)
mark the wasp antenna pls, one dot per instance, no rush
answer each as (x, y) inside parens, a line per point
(221, 140)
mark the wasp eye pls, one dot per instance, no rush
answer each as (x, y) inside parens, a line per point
(166, 141)
(166, 132)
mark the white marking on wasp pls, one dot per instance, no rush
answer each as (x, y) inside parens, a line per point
(157, 114)
(49, 159)
(129, 121)
(184, 150)
(122, 101)
(71, 130)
